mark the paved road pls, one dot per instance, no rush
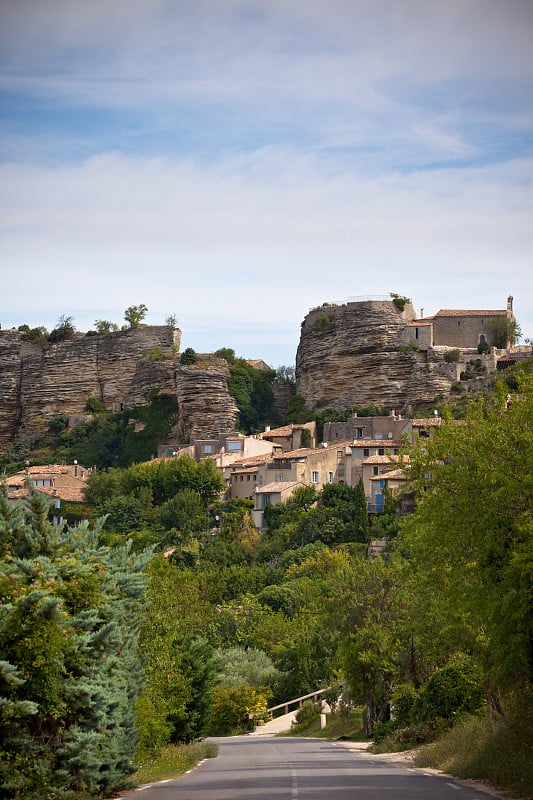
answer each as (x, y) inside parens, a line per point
(249, 768)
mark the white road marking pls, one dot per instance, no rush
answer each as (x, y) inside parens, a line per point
(294, 784)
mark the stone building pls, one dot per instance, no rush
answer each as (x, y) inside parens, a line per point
(457, 329)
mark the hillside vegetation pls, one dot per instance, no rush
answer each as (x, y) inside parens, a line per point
(171, 618)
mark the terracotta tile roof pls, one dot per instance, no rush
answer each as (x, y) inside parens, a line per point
(385, 459)
(302, 452)
(278, 486)
(69, 493)
(250, 460)
(446, 312)
(420, 322)
(430, 422)
(244, 470)
(286, 430)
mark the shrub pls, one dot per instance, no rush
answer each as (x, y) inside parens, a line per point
(452, 356)
(399, 300)
(155, 354)
(94, 406)
(450, 690)
(403, 699)
(322, 322)
(38, 336)
(483, 347)
(307, 714)
(188, 356)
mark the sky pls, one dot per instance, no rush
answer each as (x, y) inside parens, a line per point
(239, 162)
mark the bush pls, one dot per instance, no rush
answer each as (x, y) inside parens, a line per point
(188, 356)
(452, 356)
(403, 700)
(450, 690)
(322, 322)
(155, 354)
(399, 300)
(307, 714)
(483, 347)
(94, 406)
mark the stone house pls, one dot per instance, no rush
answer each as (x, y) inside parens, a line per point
(291, 437)
(374, 469)
(270, 495)
(59, 481)
(459, 329)
(310, 466)
(389, 428)
(393, 481)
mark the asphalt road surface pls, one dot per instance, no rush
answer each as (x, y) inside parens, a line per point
(249, 768)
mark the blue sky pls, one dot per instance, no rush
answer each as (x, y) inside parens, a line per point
(237, 163)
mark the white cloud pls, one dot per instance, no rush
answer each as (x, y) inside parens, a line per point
(238, 163)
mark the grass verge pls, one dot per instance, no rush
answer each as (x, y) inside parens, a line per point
(173, 761)
(339, 726)
(496, 750)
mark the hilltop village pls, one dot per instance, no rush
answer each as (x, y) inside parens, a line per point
(364, 352)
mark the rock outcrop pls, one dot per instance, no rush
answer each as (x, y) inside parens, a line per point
(119, 370)
(353, 354)
(205, 406)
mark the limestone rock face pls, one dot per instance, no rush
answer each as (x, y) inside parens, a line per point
(205, 406)
(353, 354)
(119, 370)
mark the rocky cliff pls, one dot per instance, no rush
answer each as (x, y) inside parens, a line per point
(353, 354)
(119, 370)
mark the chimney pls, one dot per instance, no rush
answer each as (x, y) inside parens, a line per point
(421, 313)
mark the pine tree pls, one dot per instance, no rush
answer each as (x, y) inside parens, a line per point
(70, 673)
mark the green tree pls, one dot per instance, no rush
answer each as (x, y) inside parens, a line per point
(70, 672)
(179, 664)
(503, 330)
(134, 315)
(64, 330)
(105, 327)
(240, 666)
(188, 356)
(470, 539)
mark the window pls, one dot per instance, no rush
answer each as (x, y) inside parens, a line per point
(416, 333)
(381, 451)
(265, 500)
(339, 453)
(247, 477)
(482, 337)
(233, 447)
(208, 448)
(366, 452)
(242, 478)
(379, 437)
(314, 477)
(359, 433)
(280, 478)
(340, 471)
(330, 477)
(375, 470)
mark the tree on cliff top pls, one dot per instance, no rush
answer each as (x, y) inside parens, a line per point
(134, 315)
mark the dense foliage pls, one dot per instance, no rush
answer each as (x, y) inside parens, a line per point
(437, 627)
(70, 668)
